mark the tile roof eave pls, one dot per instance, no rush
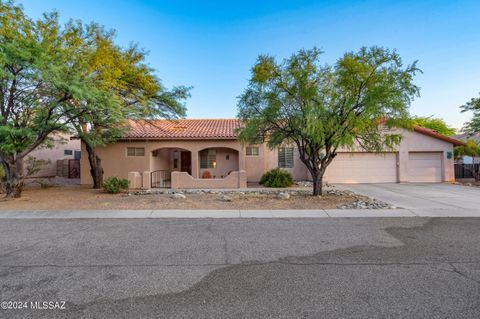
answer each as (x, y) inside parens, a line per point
(177, 138)
(439, 136)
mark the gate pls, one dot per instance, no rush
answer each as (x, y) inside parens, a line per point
(161, 179)
(466, 170)
(73, 168)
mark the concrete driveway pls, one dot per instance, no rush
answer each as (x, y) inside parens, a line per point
(434, 199)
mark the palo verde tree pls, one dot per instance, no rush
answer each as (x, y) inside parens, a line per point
(130, 91)
(37, 87)
(472, 126)
(322, 109)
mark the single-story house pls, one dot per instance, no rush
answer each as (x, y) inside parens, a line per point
(197, 153)
(64, 149)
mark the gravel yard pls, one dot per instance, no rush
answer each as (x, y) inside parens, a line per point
(76, 197)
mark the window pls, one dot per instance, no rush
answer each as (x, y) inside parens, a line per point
(175, 159)
(252, 151)
(77, 155)
(135, 151)
(67, 152)
(208, 159)
(285, 157)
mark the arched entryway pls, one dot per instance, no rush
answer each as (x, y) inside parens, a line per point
(217, 162)
(166, 160)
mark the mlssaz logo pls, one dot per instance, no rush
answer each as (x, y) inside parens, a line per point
(47, 305)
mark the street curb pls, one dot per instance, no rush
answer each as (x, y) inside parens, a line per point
(235, 213)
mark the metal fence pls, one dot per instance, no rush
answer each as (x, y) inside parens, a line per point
(466, 170)
(161, 179)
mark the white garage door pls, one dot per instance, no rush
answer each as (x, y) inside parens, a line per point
(424, 167)
(363, 168)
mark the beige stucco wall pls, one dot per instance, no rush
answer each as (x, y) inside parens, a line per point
(181, 180)
(62, 142)
(116, 163)
(416, 142)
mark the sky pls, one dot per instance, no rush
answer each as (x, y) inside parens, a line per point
(212, 45)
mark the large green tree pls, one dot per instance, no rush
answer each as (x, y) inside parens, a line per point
(472, 126)
(69, 77)
(130, 91)
(37, 87)
(322, 109)
(433, 123)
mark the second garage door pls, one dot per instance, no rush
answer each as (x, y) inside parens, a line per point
(363, 168)
(424, 167)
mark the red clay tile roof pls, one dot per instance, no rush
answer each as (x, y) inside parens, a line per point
(184, 129)
(214, 129)
(435, 134)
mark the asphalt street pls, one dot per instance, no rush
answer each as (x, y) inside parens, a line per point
(242, 268)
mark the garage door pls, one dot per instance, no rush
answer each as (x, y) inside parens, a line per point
(424, 167)
(363, 168)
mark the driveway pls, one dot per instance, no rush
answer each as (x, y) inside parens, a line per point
(437, 199)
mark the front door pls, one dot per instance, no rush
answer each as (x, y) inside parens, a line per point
(186, 162)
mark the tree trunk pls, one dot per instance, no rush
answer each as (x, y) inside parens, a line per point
(14, 178)
(96, 170)
(317, 179)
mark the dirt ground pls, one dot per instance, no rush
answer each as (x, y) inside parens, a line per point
(77, 197)
(468, 182)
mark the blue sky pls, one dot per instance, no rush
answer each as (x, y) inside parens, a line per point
(211, 45)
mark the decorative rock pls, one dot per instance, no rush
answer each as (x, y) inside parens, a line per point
(367, 204)
(283, 196)
(225, 198)
(178, 196)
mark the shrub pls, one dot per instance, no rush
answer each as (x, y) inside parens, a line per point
(276, 178)
(114, 184)
(206, 174)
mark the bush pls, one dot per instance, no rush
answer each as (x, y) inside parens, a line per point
(276, 178)
(114, 184)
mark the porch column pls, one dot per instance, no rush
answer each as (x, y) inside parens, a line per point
(241, 159)
(194, 163)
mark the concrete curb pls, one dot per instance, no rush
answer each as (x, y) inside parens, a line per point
(235, 213)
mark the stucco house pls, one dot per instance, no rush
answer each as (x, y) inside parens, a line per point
(197, 153)
(64, 148)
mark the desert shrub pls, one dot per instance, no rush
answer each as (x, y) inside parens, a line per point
(276, 178)
(206, 174)
(114, 184)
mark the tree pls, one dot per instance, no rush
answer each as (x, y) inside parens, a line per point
(472, 126)
(37, 86)
(435, 124)
(130, 91)
(322, 108)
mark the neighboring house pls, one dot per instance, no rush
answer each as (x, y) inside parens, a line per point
(464, 137)
(197, 153)
(64, 148)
